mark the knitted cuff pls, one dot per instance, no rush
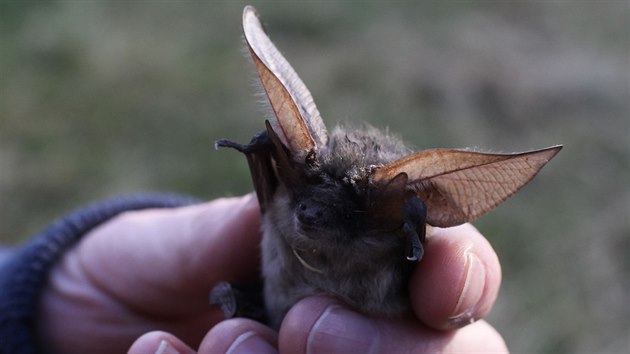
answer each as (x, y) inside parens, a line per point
(23, 277)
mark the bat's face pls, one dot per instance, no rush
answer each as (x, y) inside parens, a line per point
(329, 210)
(329, 221)
(332, 206)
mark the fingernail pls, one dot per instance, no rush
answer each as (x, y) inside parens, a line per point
(166, 348)
(251, 342)
(471, 297)
(339, 330)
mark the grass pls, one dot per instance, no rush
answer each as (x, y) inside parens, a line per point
(99, 98)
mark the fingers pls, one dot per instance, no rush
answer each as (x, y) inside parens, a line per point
(169, 259)
(239, 336)
(458, 279)
(231, 336)
(159, 343)
(321, 325)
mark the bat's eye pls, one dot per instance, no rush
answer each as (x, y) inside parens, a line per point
(311, 158)
(347, 216)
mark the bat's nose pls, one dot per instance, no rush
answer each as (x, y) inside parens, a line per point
(310, 214)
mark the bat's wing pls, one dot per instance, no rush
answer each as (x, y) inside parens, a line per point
(460, 186)
(298, 123)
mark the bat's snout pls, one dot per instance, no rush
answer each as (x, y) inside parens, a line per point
(310, 214)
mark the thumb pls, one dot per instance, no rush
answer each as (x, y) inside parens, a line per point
(322, 325)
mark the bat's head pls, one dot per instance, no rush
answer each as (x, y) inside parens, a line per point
(332, 203)
(331, 217)
(350, 187)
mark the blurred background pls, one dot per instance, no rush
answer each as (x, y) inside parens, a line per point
(101, 98)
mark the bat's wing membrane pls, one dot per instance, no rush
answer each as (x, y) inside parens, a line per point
(299, 125)
(460, 186)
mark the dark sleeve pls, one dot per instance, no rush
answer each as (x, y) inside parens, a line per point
(24, 273)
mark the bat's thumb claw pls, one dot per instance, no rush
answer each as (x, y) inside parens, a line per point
(223, 296)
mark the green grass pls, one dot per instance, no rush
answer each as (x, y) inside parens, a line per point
(111, 97)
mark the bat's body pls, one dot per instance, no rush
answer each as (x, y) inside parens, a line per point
(346, 213)
(317, 241)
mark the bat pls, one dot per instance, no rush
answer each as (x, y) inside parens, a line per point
(346, 213)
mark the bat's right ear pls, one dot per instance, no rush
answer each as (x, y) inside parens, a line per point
(298, 124)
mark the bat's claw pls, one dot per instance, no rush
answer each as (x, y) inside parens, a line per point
(239, 300)
(259, 142)
(230, 144)
(417, 251)
(415, 225)
(223, 296)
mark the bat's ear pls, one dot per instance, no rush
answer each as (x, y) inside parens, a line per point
(460, 186)
(298, 124)
(287, 172)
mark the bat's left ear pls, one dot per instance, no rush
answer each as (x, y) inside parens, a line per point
(298, 124)
(286, 170)
(460, 186)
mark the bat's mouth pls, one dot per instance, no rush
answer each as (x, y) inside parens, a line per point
(309, 231)
(303, 230)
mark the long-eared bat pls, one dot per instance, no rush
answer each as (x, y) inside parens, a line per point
(346, 213)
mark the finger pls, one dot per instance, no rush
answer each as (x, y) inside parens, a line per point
(458, 279)
(239, 336)
(322, 325)
(159, 343)
(169, 259)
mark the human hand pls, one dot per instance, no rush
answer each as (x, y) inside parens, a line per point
(154, 269)
(149, 269)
